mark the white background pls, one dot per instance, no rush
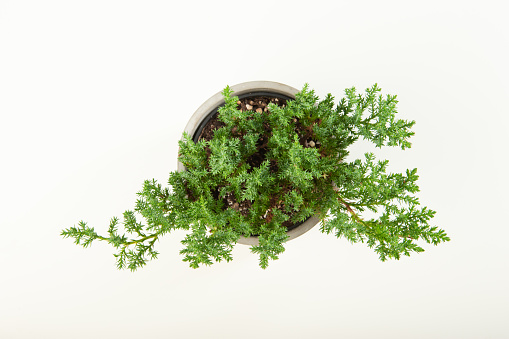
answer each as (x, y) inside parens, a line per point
(95, 94)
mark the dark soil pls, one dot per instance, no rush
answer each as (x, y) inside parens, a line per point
(259, 105)
(256, 104)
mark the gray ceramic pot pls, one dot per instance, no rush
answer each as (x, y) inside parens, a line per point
(208, 109)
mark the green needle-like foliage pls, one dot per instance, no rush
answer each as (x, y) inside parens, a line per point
(295, 181)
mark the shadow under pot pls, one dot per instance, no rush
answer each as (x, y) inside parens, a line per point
(253, 96)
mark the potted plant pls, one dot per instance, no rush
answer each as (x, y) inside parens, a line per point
(262, 163)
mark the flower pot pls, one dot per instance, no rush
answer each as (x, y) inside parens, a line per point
(247, 89)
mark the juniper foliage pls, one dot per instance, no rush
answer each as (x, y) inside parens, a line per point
(296, 180)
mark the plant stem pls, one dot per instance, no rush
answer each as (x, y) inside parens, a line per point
(128, 243)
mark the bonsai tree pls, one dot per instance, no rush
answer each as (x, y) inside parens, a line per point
(262, 171)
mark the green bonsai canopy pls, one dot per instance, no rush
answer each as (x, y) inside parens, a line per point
(224, 195)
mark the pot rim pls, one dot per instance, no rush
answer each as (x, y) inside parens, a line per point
(217, 100)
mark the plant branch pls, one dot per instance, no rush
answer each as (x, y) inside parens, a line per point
(134, 241)
(356, 217)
